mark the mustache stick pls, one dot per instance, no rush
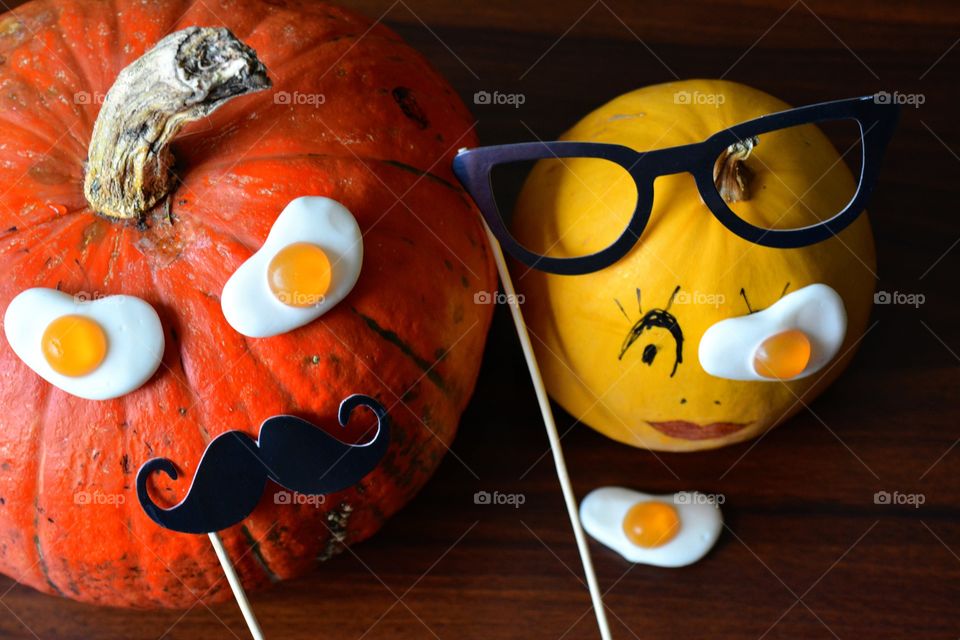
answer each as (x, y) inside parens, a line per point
(234, 470)
(236, 586)
(550, 423)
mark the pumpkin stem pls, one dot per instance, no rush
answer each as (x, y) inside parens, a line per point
(185, 77)
(731, 173)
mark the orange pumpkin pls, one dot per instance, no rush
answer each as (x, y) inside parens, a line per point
(354, 114)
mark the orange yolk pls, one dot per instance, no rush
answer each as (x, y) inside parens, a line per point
(299, 275)
(651, 524)
(783, 355)
(74, 345)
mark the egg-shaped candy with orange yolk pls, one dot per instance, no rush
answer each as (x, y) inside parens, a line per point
(793, 338)
(664, 531)
(309, 262)
(98, 350)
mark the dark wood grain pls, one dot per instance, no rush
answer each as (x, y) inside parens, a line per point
(808, 554)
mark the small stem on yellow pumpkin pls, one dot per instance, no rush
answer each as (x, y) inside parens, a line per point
(185, 77)
(731, 173)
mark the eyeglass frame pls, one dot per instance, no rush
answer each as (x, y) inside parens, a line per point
(876, 119)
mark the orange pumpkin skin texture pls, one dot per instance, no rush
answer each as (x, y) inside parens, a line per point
(409, 334)
(579, 327)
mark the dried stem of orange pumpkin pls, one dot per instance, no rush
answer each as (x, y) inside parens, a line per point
(731, 173)
(186, 76)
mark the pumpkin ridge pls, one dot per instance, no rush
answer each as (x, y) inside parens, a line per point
(251, 246)
(184, 379)
(88, 253)
(164, 28)
(74, 64)
(124, 413)
(428, 368)
(38, 102)
(44, 569)
(6, 265)
(285, 393)
(261, 19)
(423, 174)
(281, 13)
(16, 261)
(114, 258)
(257, 555)
(186, 20)
(46, 406)
(114, 51)
(293, 58)
(320, 155)
(46, 142)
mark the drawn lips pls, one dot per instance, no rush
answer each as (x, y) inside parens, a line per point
(693, 431)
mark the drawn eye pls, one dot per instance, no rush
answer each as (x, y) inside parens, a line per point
(649, 353)
(309, 262)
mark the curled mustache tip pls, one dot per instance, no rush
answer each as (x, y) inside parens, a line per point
(157, 464)
(310, 461)
(148, 468)
(360, 400)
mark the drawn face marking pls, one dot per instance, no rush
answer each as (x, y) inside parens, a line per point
(654, 318)
(649, 353)
(746, 301)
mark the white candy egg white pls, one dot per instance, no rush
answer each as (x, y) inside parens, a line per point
(247, 301)
(727, 348)
(602, 512)
(134, 340)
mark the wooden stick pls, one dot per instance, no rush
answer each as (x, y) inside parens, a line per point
(236, 586)
(553, 436)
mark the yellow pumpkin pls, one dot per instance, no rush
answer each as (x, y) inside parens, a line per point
(654, 393)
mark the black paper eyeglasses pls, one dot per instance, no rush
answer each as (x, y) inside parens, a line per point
(875, 121)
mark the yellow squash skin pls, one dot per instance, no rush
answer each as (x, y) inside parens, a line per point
(577, 321)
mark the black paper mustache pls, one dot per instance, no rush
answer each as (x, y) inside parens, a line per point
(233, 472)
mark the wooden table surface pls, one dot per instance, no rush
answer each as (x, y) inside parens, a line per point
(807, 552)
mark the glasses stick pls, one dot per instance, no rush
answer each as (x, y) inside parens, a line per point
(236, 586)
(552, 435)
